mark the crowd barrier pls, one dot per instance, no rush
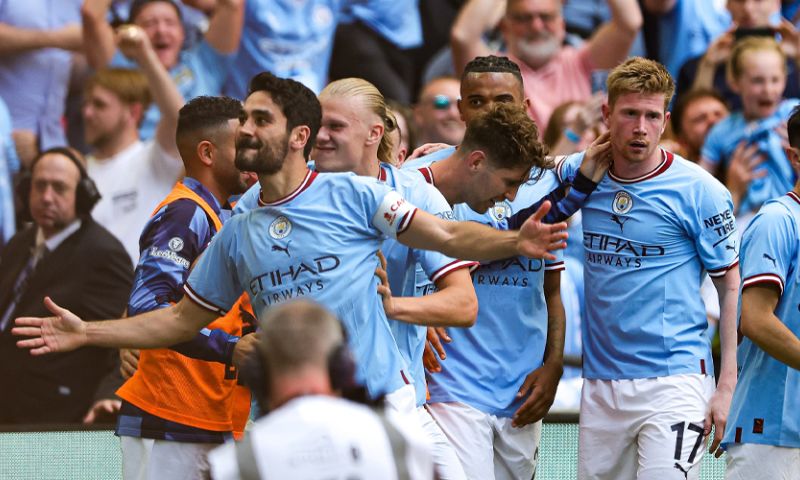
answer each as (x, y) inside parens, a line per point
(67, 453)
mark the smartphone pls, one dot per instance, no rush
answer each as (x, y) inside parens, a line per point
(741, 33)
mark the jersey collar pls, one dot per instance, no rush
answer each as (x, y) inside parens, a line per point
(794, 197)
(309, 178)
(666, 161)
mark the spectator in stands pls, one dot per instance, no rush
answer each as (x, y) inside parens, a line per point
(133, 176)
(36, 37)
(534, 34)
(574, 126)
(692, 118)
(436, 114)
(59, 196)
(750, 17)
(290, 40)
(404, 136)
(300, 387)
(200, 70)
(684, 29)
(747, 147)
(374, 42)
(9, 165)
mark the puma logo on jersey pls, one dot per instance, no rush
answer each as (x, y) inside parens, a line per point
(619, 221)
(685, 472)
(774, 262)
(728, 246)
(278, 248)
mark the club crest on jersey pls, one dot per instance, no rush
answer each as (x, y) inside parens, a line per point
(500, 211)
(175, 244)
(281, 227)
(623, 202)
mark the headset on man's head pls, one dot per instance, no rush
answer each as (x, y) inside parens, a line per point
(341, 371)
(86, 193)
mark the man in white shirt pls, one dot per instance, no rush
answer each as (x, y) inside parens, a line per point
(132, 176)
(310, 432)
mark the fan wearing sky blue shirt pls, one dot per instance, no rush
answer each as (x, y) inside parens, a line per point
(751, 139)
(654, 225)
(764, 421)
(320, 242)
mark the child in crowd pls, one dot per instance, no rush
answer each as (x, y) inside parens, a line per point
(746, 148)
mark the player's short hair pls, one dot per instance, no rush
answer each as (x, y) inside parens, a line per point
(130, 86)
(640, 75)
(200, 119)
(734, 67)
(793, 128)
(492, 64)
(509, 137)
(297, 335)
(297, 102)
(684, 101)
(372, 99)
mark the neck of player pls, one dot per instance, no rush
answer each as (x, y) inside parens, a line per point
(280, 184)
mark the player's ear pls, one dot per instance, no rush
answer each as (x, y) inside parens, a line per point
(205, 152)
(476, 159)
(793, 154)
(667, 116)
(299, 137)
(376, 132)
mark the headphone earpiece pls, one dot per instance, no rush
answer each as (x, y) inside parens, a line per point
(86, 193)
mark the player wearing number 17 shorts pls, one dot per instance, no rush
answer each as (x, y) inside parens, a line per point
(651, 230)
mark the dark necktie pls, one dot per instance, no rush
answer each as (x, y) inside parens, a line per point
(21, 284)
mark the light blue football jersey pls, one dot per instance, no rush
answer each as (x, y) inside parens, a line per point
(726, 135)
(648, 243)
(318, 243)
(487, 363)
(766, 404)
(402, 262)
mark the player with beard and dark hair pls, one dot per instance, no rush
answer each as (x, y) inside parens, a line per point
(331, 225)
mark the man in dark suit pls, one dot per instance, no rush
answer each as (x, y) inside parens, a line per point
(70, 258)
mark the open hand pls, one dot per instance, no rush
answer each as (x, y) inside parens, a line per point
(537, 239)
(62, 333)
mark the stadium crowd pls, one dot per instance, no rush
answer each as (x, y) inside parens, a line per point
(372, 237)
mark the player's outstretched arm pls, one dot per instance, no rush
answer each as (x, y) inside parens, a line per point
(474, 241)
(728, 291)
(65, 332)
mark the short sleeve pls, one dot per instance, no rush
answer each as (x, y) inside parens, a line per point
(768, 246)
(213, 282)
(713, 227)
(713, 148)
(388, 211)
(435, 264)
(557, 263)
(169, 245)
(567, 167)
(162, 163)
